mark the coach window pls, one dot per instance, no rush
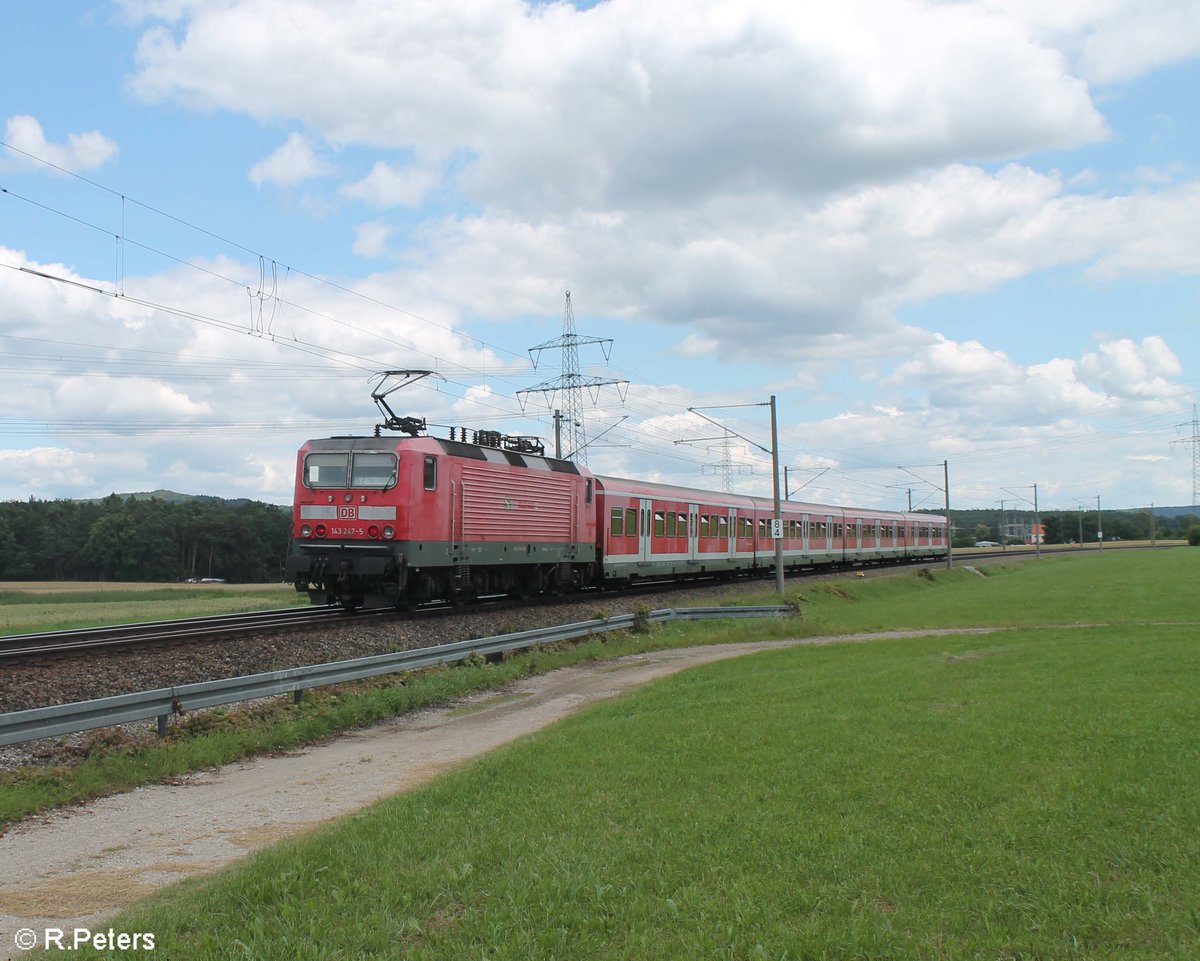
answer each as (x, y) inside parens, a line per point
(670, 523)
(631, 527)
(326, 470)
(617, 526)
(373, 470)
(722, 525)
(704, 525)
(682, 526)
(659, 521)
(430, 472)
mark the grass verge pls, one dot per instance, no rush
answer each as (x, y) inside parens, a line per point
(42, 609)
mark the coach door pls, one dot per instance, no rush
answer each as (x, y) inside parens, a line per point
(644, 529)
(693, 542)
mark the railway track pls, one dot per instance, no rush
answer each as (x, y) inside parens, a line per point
(23, 646)
(50, 644)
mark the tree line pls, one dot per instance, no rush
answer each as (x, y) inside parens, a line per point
(1069, 527)
(137, 539)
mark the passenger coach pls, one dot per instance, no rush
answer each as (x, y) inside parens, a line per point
(655, 530)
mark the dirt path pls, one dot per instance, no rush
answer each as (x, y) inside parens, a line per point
(78, 867)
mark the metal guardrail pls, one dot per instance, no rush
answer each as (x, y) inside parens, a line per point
(20, 726)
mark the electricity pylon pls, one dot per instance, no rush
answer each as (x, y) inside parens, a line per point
(571, 384)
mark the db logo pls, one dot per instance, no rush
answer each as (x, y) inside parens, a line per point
(347, 512)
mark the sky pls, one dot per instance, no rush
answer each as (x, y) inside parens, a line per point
(963, 232)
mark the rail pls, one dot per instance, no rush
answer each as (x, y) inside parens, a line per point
(18, 646)
(30, 725)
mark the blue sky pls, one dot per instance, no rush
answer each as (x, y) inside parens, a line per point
(965, 232)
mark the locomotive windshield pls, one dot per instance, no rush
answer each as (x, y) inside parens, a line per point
(343, 469)
(373, 470)
(326, 470)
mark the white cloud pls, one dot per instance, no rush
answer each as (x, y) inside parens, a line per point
(293, 162)
(1112, 40)
(371, 238)
(693, 345)
(389, 186)
(136, 399)
(988, 386)
(763, 172)
(625, 103)
(82, 151)
(46, 471)
(1126, 368)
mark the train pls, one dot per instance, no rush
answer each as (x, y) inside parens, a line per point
(404, 520)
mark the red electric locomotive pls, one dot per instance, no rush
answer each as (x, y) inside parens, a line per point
(400, 520)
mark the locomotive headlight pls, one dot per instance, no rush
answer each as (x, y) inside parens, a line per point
(389, 532)
(306, 530)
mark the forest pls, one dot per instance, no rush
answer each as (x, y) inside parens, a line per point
(127, 538)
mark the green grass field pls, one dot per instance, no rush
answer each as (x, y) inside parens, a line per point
(29, 607)
(1028, 794)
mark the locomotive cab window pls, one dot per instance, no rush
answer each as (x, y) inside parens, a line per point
(430, 472)
(373, 470)
(326, 470)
